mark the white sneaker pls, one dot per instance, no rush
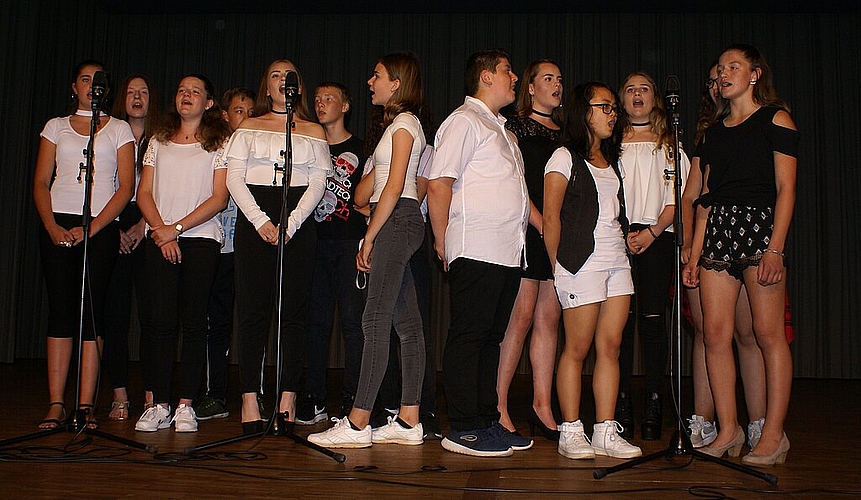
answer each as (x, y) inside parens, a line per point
(573, 442)
(606, 441)
(154, 418)
(754, 432)
(184, 420)
(342, 435)
(703, 432)
(394, 432)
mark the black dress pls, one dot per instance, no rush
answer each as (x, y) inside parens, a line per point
(537, 143)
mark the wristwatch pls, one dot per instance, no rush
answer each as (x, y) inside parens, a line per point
(178, 228)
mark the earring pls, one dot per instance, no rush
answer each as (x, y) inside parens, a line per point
(753, 82)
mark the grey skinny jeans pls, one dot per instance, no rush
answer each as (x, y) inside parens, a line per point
(392, 302)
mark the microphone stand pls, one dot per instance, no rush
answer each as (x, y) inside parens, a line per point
(278, 422)
(680, 442)
(77, 421)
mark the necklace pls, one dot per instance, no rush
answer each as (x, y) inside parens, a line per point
(541, 113)
(86, 112)
(643, 124)
(280, 112)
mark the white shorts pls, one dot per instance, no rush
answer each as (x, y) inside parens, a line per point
(589, 287)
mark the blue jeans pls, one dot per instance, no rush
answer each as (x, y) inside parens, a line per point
(334, 280)
(392, 302)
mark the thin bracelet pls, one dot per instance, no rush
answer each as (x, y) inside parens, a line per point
(774, 251)
(652, 232)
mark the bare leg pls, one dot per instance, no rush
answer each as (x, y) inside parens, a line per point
(59, 358)
(718, 294)
(250, 410)
(89, 370)
(608, 337)
(767, 306)
(512, 345)
(580, 323)
(542, 351)
(288, 404)
(750, 362)
(703, 403)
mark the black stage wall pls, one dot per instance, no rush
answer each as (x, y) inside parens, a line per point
(815, 56)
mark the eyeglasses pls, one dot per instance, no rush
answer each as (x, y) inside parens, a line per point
(607, 108)
(711, 82)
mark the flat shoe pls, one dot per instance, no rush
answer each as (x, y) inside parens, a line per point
(89, 416)
(119, 410)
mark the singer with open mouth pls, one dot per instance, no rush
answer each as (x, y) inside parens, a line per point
(255, 178)
(58, 196)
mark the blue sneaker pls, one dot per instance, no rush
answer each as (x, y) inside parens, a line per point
(476, 443)
(515, 440)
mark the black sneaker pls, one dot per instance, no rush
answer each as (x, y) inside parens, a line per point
(513, 439)
(430, 425)
(207, 408)
(625, 414)
(476, 443)
(310, 410)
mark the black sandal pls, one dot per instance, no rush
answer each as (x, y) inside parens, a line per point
(53, 423)
(89, 416)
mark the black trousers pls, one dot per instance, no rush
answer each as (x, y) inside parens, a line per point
(482, 296)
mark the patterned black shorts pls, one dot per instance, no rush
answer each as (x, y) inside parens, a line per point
(736, 237)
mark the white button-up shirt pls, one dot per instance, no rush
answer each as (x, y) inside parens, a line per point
(490, 204)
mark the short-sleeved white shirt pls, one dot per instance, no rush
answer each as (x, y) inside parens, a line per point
(383, 156)
(67, 194)
(647, 188)
(182, 181)
(490, 204)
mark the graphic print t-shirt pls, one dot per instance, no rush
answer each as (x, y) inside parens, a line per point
(334, 215)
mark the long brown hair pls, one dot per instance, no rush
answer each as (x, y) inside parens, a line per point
(764, 92)
(523, 103)
(213, 129)
(707, 109)
(263, 104)
(409, 96)
(153, 113)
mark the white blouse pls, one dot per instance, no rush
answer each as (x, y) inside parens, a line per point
(251, 159)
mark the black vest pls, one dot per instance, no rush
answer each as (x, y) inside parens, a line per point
(579, 215)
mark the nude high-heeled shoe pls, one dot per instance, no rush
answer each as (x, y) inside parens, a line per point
(778, 457)
(733, 448)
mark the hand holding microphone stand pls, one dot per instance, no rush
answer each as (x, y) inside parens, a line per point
(278, 423)
(77, 421)
(680, 443)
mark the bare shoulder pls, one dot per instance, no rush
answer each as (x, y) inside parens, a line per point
(784, 119)
(309, 129)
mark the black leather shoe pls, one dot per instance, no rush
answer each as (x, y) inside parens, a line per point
(282, 426)
(625, 415)
(535, 423)
(652, 417)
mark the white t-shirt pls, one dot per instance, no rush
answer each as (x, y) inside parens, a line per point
(490, 204)
(609, 250)
(67, 194)
(647, 189)
(383, 156)
(251, 158)
(182, 181)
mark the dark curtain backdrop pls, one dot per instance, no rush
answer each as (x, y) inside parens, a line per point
(815, 57)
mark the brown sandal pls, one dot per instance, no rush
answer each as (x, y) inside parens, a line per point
(119, 410)
(53, 423)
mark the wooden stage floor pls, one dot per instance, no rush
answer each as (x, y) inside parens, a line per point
(823, 462)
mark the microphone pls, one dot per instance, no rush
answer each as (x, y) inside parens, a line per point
(672, 93)
(99, 87)
(291, 87)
